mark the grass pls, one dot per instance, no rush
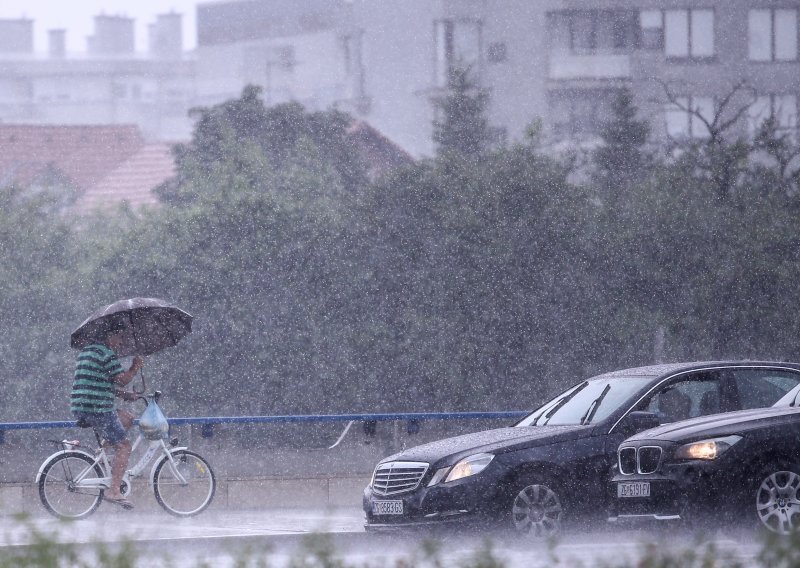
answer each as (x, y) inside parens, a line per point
(44, 550)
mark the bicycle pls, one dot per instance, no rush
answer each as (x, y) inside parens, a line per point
(72, 481)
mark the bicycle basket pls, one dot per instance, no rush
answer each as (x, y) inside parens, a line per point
(153, 423)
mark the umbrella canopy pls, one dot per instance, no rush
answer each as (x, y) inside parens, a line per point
(148, 324)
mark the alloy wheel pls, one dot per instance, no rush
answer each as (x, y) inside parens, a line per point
(777, 502)
(537, 510)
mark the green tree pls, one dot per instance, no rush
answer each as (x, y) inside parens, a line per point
(35, 301)
(248, 139)
(719, 154)
(774, 166)
(622, 158)
(463, 127)
(257, 242)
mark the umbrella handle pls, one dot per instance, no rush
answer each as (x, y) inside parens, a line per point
(144, 384)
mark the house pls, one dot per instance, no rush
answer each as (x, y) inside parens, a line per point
(103, 166)
(99, 165)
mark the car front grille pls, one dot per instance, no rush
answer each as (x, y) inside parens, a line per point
(392, 478)
(642, 460)
(649, 457)
(627, 461)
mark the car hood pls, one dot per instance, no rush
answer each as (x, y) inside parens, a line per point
(718, 424)
(495, 441)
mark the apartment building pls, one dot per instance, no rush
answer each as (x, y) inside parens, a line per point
(111, 83)
(681, 60)
(561, 61)
(385, 61)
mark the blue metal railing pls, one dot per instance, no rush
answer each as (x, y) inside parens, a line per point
(208, 422)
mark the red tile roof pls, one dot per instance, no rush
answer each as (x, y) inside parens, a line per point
(84, 154)
(381, 154)
(112, 164)
(132, 181)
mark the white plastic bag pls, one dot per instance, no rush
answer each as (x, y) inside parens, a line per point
(153, 423)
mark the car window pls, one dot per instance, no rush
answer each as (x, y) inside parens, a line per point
(587, 403)
(688, 398)
(759, 388)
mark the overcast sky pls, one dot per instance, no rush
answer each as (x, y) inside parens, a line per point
(77, 17)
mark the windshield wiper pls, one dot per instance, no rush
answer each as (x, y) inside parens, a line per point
(549, 414)
(590, 412)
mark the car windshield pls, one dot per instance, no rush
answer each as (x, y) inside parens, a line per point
(588, 402)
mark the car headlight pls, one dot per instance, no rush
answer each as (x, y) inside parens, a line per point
(465, 468)
(706, 449)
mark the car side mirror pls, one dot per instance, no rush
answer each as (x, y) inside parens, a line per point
(637, 421)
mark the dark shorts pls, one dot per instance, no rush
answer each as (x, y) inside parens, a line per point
(106, 424)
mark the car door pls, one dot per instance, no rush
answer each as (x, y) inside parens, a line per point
(689, 396)
(685, 396)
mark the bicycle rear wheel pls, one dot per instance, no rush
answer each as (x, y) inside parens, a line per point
(70, 486)
(185, 488)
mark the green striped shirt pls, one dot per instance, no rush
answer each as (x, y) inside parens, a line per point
(93, 385)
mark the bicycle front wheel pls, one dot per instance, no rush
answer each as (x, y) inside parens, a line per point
(184, 486)
(71, 485)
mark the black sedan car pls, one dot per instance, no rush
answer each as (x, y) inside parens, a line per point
(556, 463)
(740, 466)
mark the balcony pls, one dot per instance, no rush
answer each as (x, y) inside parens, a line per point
(565, 66)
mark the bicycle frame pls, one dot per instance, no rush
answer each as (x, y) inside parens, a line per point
(101, 459)
(71, 481)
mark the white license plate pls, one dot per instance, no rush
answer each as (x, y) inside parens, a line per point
(633, 489)
(387, 507)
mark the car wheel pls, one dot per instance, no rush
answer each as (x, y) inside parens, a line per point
(536, 508)
(777, 499)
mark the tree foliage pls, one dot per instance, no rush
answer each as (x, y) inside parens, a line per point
(462, 127)
(456, 283)
(622, 158)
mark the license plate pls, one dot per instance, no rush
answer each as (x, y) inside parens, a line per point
(633, 489)
(387, 507)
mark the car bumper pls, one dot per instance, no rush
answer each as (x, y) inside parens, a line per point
(468, 501)
(680, 492)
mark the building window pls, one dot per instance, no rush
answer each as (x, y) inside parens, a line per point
(782, 108)
(580, 113)
(592, 31)
(651, 24)
(286, 57)
(458, 43)
(682, 120)
(689, 33)
(496, 53)
(772, 35)
(353, 65)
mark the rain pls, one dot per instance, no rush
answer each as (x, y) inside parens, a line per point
(374, 234)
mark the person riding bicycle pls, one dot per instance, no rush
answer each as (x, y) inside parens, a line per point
(98, 379)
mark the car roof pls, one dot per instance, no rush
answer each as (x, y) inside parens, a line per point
(665, 369)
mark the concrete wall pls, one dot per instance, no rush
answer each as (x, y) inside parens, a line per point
(257, 466)
(232, 494)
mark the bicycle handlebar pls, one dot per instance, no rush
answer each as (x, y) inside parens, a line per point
(155, 395)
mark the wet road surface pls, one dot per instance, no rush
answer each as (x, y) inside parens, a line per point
(280, 536)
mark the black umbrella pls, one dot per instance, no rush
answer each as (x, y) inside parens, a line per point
(149, 325)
